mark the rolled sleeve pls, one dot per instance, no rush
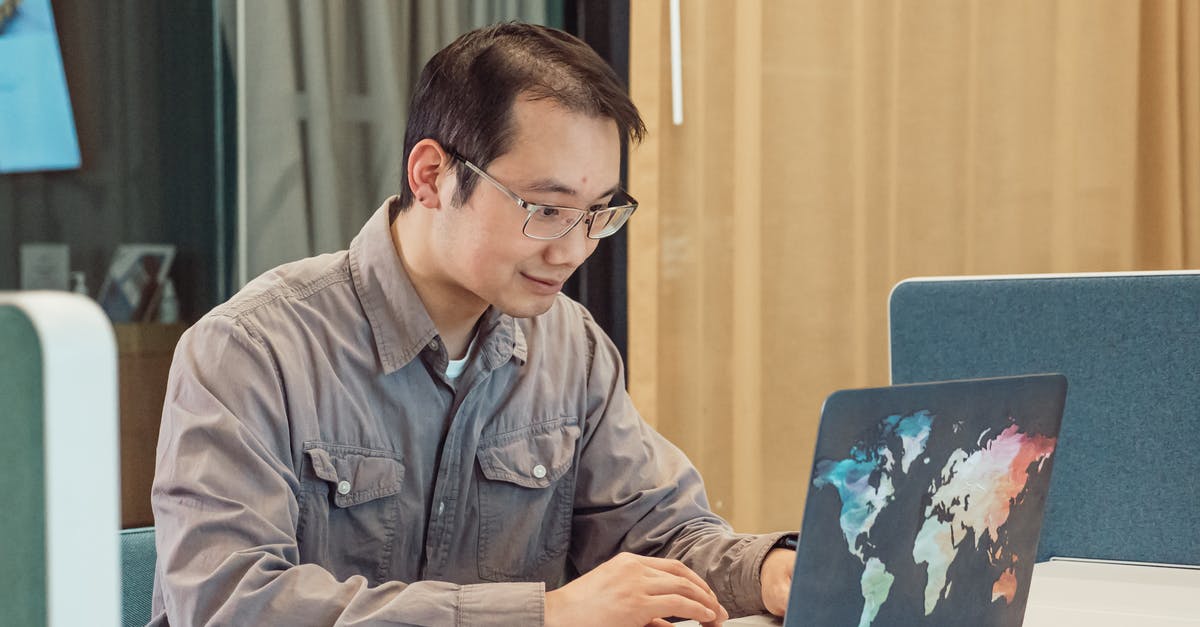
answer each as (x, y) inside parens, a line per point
(743, 570)
(517, 603)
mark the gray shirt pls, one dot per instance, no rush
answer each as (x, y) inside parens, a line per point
(315, 466)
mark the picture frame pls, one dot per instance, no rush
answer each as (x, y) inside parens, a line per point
(133, 284)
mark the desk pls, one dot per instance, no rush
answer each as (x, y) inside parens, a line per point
(144, 353)
(1107, 594)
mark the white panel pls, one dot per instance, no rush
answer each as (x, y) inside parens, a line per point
(83, 565)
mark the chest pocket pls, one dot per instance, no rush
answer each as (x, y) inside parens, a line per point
(526, 495)
(348, 509)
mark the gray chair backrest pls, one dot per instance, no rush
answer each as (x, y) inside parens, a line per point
(1125, 475)
(137, 575)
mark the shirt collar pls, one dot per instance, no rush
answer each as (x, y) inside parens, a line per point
(503, 339)
(400, 324)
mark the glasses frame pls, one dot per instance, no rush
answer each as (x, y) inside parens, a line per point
(581, 215)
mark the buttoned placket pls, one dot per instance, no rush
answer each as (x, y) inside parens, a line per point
(449, 475)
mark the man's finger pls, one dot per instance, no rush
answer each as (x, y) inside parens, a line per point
(681, 606)
(659, 583)
(676, 567)
(664, 582)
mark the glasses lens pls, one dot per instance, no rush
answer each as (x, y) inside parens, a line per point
(547, 222)
(609, 221)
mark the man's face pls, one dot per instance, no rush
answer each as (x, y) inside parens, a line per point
(557, 158)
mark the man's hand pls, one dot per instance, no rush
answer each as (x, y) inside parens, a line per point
(776, 577)
(631, 591)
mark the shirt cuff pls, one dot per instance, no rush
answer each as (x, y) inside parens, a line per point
(501, 604)
(746, 582)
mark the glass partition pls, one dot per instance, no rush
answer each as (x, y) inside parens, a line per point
(180, 148)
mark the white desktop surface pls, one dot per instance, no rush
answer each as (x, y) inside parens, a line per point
(1112, 594)
(1096, 594)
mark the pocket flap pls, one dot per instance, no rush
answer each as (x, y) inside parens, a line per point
(533, 457)
(355, 475)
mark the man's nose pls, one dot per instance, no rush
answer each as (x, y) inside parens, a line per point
(571, 249)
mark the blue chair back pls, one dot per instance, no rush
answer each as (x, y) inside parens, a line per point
(137, 575)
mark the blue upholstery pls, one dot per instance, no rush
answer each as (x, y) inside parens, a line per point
(23, 568)
(1125, 475)
(137, 575)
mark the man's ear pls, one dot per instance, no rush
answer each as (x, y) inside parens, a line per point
(426, 163)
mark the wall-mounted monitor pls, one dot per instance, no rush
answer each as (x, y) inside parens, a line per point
(37, 128)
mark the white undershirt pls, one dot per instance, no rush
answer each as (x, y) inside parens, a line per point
(455, 367)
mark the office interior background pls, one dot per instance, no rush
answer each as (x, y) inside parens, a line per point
(827, 149)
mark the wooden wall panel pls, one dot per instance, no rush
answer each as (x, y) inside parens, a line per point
(830, 149)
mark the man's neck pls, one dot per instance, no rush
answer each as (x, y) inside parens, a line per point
(454, 312)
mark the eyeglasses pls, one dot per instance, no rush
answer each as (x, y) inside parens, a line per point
(553, 222)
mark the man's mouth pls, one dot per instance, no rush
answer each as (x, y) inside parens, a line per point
(546, 284)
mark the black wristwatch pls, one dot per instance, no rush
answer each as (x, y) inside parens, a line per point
(789, 541)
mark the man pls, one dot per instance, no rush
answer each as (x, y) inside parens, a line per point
(421, 429)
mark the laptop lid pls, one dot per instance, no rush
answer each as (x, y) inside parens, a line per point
(925, 503)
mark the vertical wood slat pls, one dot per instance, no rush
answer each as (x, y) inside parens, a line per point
(747, 463)
(647, 37)
(1189, 104)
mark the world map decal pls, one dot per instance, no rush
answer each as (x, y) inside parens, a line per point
(928, 516)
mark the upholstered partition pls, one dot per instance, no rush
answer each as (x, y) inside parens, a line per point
(59, 563)
(1126, 483)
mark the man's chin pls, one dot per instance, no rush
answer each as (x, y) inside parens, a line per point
(530, 308)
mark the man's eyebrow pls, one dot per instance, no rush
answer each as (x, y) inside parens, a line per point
(551, 186)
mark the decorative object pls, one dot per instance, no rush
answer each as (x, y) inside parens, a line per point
(133, 284)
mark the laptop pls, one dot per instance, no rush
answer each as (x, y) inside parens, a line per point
(925, 504)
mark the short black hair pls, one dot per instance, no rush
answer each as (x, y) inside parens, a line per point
(464, 97)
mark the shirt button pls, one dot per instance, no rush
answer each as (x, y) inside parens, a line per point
(433, 344)
(343, 487)
(539, 471)
(441, 507)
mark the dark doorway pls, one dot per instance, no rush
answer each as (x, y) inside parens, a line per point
(600, 284)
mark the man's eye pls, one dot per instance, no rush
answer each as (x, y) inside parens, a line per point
(549, 212)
